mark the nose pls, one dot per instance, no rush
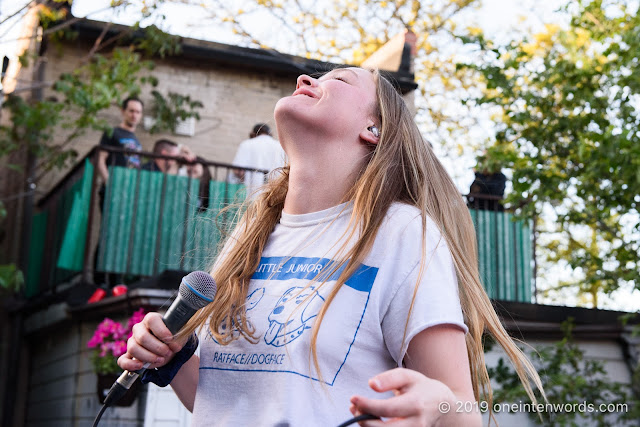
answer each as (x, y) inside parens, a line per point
(305, 80)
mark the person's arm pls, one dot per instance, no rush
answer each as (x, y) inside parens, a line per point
(185, 382)
(103, 170)
(102, 165)
(187, 153)
(152, 342)
(434, 390)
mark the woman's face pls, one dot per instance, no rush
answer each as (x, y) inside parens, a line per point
(338, 106)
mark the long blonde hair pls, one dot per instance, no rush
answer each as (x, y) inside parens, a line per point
(401, 167)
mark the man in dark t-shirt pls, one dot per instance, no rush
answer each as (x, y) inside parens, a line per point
(123, 136)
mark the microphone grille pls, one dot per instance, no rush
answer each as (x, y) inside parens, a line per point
(197, 289)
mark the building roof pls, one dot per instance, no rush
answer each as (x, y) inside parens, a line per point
(259, 60)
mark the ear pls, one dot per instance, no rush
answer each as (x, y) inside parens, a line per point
(371, 134)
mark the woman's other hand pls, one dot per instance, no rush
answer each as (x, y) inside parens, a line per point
(418, 400)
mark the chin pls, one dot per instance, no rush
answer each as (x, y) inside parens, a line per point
(286, 109)
(283, 104)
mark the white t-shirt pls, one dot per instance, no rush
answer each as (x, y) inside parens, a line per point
(261, 152)
(273, 384)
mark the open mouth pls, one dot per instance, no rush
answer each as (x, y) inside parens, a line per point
(305, 92)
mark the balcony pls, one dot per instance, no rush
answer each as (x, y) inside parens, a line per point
(151, 222)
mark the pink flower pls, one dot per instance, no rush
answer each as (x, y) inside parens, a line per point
(135, 318)
(119, 348)
(110, 337)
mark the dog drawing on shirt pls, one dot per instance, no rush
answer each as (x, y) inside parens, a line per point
(252, 300)
(288, 319)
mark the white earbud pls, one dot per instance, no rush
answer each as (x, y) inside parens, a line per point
(374, 130)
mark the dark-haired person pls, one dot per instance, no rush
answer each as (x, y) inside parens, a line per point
(260, 151)
(122, 136)
(164, 147)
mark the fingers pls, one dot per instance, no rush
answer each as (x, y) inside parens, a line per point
(365, 423)
(150, 342)
(127, 363)
(153, 322)
(397, 379)
(414, 400)
(400, 406)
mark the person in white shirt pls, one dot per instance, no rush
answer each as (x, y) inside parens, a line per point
(350, 286)
(260, 151)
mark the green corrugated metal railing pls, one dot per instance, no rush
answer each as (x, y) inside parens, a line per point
(505, 255)
(151, 222)
(61, 232)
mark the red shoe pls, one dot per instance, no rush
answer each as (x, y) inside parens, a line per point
(119, 290)
(98, 295)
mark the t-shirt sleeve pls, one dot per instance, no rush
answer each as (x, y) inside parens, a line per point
(106, 139)
(242, 156)
(436, 300)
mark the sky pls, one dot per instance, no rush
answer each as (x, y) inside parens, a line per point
(500, 19)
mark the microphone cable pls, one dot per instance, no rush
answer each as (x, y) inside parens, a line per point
(97, 420)
(353, 420)
(359, 418)
(116, 393)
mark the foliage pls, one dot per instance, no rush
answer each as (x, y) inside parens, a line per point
(157, 42)
(109, 341)
(569, 379)
(52, 14)
(170, 111)
(568, 131)
(32, 125)
(11, 279)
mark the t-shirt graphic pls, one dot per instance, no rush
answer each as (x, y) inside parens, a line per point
(133, 161)
(283, 314)
(287, 321)
(122, 138)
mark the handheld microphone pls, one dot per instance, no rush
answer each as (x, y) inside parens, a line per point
(197, 289)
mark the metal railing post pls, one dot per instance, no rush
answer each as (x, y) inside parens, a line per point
(87, 267)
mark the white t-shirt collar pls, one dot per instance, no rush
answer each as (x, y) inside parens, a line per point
(313, 218)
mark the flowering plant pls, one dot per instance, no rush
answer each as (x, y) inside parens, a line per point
(109, 341)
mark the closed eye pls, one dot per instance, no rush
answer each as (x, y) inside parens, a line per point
(342, 79)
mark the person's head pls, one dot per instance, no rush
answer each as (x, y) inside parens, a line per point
(131, 110)
(330, 120)
(260, 129)
(166, 147)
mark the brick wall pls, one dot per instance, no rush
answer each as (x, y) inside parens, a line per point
(62, 384)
